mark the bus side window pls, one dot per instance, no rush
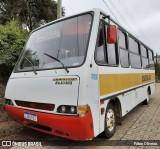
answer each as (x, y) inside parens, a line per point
(134, 54)
(112, 52)
(144, 57)
(100, 52)
(124, 55)
(151, 62)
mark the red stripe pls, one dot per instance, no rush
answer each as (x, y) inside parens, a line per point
(72, 127)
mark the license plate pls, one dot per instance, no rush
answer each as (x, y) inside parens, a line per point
(30, 116)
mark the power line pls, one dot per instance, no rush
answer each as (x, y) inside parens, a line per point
(122, 18)
(130, 16)
(120, 14)
(134, 21)
(110, 10)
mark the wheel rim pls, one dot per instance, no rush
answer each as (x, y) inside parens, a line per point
(110, 120)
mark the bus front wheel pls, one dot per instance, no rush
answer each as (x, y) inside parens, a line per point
(110, 121)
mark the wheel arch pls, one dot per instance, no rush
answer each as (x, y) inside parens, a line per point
(149, 90)
(118, 108)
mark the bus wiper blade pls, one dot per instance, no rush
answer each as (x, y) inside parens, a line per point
(31, 65)
(57, 61)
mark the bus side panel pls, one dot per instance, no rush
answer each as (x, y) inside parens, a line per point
(132, 98)
(135, 97)
(127, 101)
(153, 87)
(93, 96)
(126, 84)
(88, 94)
(102, 116)
(141, 94)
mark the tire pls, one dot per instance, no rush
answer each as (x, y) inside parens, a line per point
(110, 122)
(146, 101)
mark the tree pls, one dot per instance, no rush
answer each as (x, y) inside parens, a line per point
(12, 40)
(38, 12)
(30, 13)
(157, 70)
(9, 10)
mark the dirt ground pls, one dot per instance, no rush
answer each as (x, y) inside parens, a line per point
(2, 90)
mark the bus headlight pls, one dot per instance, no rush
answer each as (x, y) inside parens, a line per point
(73, 109)
(82, 110)
(9, 102)
(67, 109)
(63, 109)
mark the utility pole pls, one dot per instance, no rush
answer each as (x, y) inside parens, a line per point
(59, 9)
(156, 58)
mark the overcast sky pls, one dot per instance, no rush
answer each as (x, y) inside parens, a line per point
(140, 17)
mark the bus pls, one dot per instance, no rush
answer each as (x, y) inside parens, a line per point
(78, 76)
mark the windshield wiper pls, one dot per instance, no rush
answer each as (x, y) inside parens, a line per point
(57, 61)
(31, 65)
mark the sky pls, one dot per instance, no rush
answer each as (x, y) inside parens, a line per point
(140, 17)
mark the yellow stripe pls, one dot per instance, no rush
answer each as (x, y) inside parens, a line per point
(110, 83)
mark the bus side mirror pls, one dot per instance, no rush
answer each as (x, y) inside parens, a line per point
(111, 34)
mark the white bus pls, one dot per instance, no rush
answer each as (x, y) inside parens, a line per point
(78, 76)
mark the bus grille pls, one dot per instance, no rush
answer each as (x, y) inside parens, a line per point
(45, 128)
(35, 105)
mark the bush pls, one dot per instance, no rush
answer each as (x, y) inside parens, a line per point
(157, 70)
(12, 41)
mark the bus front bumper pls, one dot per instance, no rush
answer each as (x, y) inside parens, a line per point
(72, 127)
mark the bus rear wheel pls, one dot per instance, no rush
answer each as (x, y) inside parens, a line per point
(146, 101)
(110, 121)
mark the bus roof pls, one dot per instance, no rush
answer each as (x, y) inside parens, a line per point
(98, 10)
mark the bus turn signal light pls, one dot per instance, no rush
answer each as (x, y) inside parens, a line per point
(82, 110)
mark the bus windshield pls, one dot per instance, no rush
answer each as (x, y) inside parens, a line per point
(66, 40)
